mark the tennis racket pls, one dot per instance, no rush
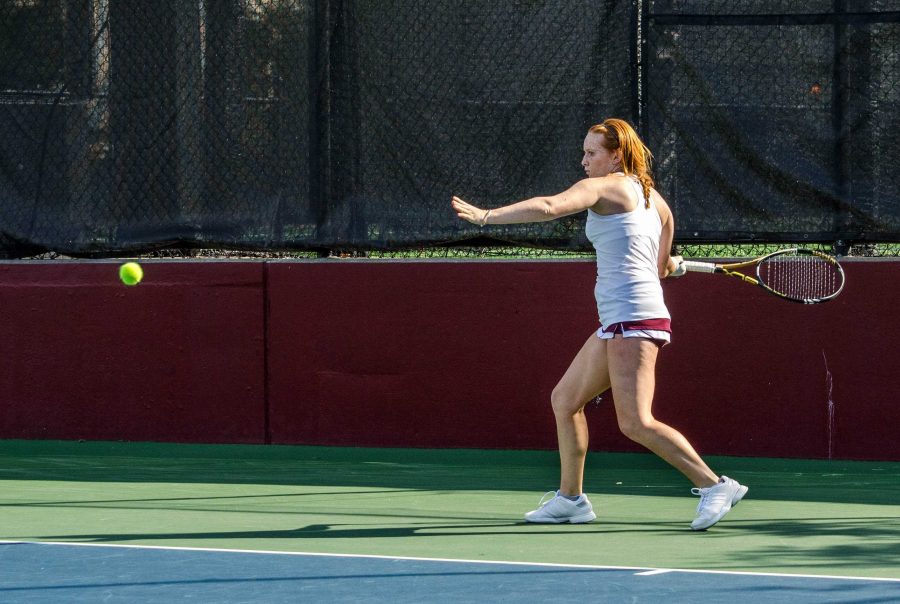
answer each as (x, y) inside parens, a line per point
(798, 275)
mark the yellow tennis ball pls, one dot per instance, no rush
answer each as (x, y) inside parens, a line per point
(131, 273)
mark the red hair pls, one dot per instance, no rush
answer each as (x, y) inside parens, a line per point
(618, 135)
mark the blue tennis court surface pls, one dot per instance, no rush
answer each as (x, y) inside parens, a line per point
(52, 572)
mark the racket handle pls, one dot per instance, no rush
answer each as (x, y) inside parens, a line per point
(699, 267)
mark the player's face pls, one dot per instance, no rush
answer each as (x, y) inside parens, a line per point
(598, 160)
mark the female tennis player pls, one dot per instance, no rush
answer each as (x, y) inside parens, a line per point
(631, 228)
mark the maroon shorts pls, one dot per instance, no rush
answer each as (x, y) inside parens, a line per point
(657, 330)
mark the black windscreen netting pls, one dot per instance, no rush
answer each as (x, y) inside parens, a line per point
(321, 124)
(487, 100)
(776, 120)
(128, 125)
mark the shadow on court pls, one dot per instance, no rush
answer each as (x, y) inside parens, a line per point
(631, 474)
(800, 516)
(852, 543)
(859, 543)
(338, 531)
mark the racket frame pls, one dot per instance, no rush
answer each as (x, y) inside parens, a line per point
(729, 269)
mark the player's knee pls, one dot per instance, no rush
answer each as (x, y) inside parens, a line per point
(635, 428)
(563, 402)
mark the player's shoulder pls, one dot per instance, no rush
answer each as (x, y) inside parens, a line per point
(612, 192)
(609, 186)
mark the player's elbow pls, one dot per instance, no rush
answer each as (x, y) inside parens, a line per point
(548, 209)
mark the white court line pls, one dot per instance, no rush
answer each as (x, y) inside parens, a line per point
(658, 571)
(644, 570)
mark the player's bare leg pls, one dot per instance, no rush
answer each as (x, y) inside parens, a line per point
(586, 377)
(632, 363)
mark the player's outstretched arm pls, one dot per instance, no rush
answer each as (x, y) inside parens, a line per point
(577, 198)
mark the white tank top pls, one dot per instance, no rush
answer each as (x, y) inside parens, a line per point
(627, 244)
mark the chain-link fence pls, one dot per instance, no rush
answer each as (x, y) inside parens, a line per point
(776, 120)
(286, 126)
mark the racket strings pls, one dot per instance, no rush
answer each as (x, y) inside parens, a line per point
(801, 276)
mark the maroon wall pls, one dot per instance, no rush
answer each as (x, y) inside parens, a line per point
(422, 354)
(177, 358)
(755, 375)
(429, 354)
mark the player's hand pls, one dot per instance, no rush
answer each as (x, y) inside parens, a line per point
(468, 212)
(676, 266)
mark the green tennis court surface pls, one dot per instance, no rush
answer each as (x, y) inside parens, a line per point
(831, 518)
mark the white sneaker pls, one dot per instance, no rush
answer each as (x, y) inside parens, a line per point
(558, 509)
(716, 501)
